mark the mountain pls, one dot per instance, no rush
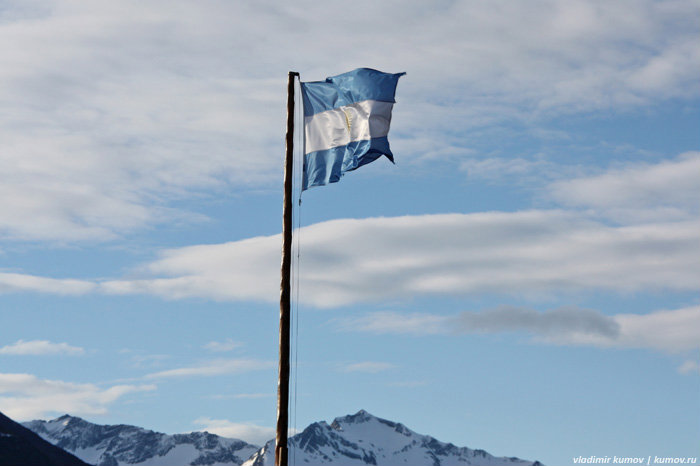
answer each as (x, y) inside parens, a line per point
(20, 446)
(362, 439)
(358, 439)
(117, 445)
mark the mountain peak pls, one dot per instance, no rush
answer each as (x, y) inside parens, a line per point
(358, 418)
(67, 419)
(367, 422)
(364, 439)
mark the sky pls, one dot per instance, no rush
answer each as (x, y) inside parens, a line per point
(523, 280)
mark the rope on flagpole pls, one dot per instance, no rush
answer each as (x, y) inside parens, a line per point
(296, 270)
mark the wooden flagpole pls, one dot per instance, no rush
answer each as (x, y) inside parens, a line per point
(281, 456)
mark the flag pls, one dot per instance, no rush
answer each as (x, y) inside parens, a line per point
(346, 122)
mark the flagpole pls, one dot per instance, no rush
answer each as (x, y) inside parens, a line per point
(281, 456)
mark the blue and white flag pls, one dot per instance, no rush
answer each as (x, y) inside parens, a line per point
(346, 122)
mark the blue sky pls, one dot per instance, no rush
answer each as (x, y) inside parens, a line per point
(523, 280)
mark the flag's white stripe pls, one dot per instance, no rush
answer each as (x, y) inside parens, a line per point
(357, 122)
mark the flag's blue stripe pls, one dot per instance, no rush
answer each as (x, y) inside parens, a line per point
(347, 88)
(327, 166)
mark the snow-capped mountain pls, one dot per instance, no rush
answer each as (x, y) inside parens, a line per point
(362, 439)
(358, 439)
(129, 445)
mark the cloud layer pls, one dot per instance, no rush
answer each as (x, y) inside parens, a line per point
(525, 252)
(650, 244)
(531, 252)
(115, 111)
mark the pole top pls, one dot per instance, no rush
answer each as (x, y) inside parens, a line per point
(294, 73)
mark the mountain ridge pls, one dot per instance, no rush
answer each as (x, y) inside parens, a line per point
(116, 445)
(20, 446)
(355, 439)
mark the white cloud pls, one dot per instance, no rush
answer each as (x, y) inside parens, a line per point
(214, 367)
(689, 367)
(222, 346)
(40, 347)
(257, 435)
(673, 331)
(530, 252)
(16, 282)
(25, 396)
(115, 111)
(206, 270)
(670, 330)
(667, 190)
(148, 360)
(392, 322)
(371, 367)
